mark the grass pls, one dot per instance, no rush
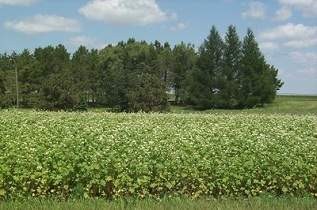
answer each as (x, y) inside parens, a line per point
(291, 104)
(263, 203)
(283, 104)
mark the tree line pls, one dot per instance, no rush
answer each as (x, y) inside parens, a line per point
(135, 76)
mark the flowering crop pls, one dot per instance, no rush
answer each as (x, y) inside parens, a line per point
(117, 155)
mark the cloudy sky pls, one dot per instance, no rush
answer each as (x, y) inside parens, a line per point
(285, 29)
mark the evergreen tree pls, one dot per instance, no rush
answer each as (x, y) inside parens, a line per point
(8, 77)
(54, 79)
(131, 77)
(57, 93)
(270, 84)
(2, 78)
(149, 92)
(80, 66)
(2, 90)
(146, 91)
(258, 80)
(137, 76)
(2, 87)
(203, 85)
(85, 74)
(228, 79)
(164, 61)
(26, 64)
(93, 76)
(184, 59)
(112, 86)
(252, 68)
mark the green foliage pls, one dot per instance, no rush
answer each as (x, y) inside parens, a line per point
(258, 80)
(232, 75)
(137, 76)
(229, 86)
(54, 79)
(2, 85)
(205, 80)
(148, 94)
(58, 94)
(84, 73)
(6, 82)
(2, 92)
(65, 155)
(184, 59)
(132, 77)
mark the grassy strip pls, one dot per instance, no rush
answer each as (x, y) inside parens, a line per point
(300, 105)
(263, 203)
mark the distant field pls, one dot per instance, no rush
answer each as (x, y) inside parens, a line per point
(282, 104)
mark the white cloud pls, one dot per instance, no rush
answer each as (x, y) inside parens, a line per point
(310, 71)
(256, 10)
(290, 31)
(291, 35)
(307, 62)
(283, 14)
(17, 2)
(86, 41)
(301, 43)
(134, 12)
(178, 27)
(44, 24)
(304, 57)
(307, 7)
(268, 45)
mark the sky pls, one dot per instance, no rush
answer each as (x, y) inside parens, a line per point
(285, 29)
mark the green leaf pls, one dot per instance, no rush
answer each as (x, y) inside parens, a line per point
(284, 189)
(2, 192)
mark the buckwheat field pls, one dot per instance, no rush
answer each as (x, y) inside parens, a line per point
(151, 155)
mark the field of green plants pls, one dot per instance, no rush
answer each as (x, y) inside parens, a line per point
(81, 155)
(283, 104)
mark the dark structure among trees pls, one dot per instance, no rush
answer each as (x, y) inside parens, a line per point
(138, 76)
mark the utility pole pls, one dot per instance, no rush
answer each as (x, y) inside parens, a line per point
(17, 83)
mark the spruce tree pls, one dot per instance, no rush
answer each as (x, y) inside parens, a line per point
(112, 81)
(2, 89)
(204, 86)
(84, 73)
(2, 76)
(165, 62)
(27, 89)
(135, 75)
(252, 68)
(270, 84)
(228, 79)
(258, 80)
(183, 62)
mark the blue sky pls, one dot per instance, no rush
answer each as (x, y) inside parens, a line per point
(285, 29)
